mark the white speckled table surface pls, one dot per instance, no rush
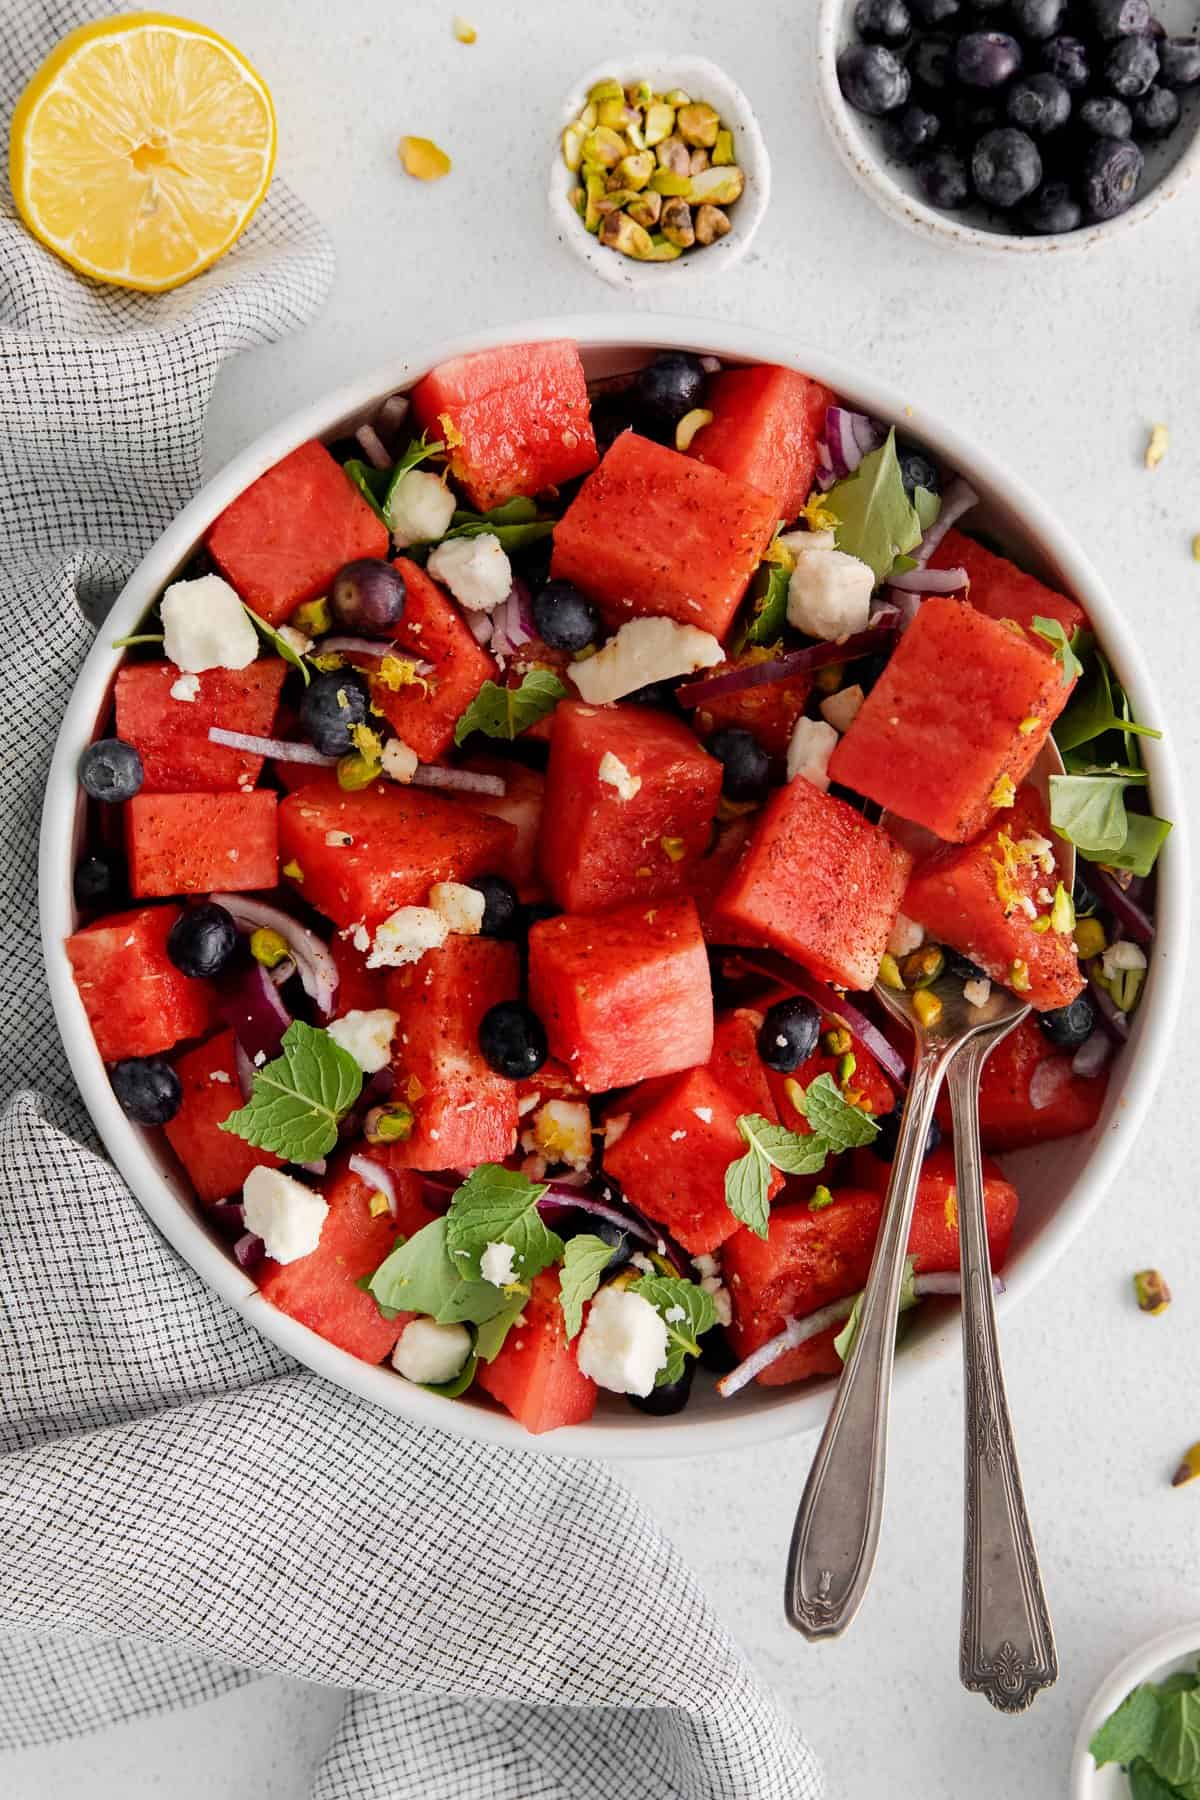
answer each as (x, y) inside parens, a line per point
(1059, 366)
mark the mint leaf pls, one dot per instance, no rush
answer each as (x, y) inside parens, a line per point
(280, 645)
(877, 522)
(584, 1262)
(501, 712)
(372, 483)
(769, 598)
(1097, 707)
(770, 1146)
(419, 1276)
(1175, 1751)
(1053, 632)
(686, 1311)
(298, 1099)
(490, 1335)
(1129, 1732)
(516, 524)
(1144, 1784)
(844, 1127)
(843, 1343)
(746, 1183)
(495, 1205)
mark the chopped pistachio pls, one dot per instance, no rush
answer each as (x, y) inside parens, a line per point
(673, 154)
(572, 143)
(269, 947)
(292, 870)
(820, 1198)
(889, 971)
(639, 93)
(699, 416)
(378, 1204)
(1042, 925)
(662, 249)
(698, 161)
(423, 159)
(593, 188)
(646, 209)
(722, 153)
(578, 200)
(1062, 913)
(1156, 449)
(1028, 726)
(390, 1124)
(666, 182)
(587, 118)
(313, 617)
(676, 224)
(636, 170)
(608, 89)
(846, 1066)
(1196, 548)
(635, 135)
(836, 1041)
(711, 224)
(673, 847)
(1151, 1291)
(355, 772)
(921, 967)
(927, 1006)
(697, 124)
(717, 187)
(1089, 938)
(604, 146)
(1189, 1468)
(615, 114)
(466, 34)
(1018, 976)
(659, 123)
(614, 199)
(829, 679)
(619, 232)
(677, 97)
(1004, 791)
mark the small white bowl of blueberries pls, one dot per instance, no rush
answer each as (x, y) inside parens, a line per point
(1014, 125)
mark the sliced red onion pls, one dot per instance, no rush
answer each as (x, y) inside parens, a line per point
(1133, 920)
(317, 1166)
(785, 667)
(250, 1251)
(1048, 1081)
(279, 748)
(373, 447)
(250, 1002)
(512, 621)
(825, 477)
(356, 646)
(313, 958)
(711, 365)
(850, 436)
(1115, 1022)
(480, 627)
(907, 608)
(929, 581)
(959, 498)
(886, 613)
(1092, 1055)
(376, 1175)
(245, 1069)
(459, 781)
(283, 971)
(559, 1199)
(391, 415)
(794, 1333)
(229, 1217)
(838, 1006)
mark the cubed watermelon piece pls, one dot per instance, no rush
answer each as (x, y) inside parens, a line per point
(171, 735)
(963, 703)
(867, 1087)
(359, 989)
(198, 843)
(464, 1113)
(534, 1375)
(217, 1162)
(818, 882)
(1030, 1094)
(282, 541)
(979, 899)
(625, 996)
(769, 711)
(766, 425)
(424, 713)
(600, 849)
(653, 532)
(321, 1290)
(522, 806)
(1001, 590)
(137, 1002)
(517, 419)
(404, 839)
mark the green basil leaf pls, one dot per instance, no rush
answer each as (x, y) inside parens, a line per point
(502, 712)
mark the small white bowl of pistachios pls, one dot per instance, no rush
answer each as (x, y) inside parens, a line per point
(658, 168)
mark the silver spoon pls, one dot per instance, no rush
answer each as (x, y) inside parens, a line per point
(1007, 1642)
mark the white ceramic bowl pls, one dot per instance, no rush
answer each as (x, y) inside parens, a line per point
(1162, 1656)
(703, 80)
(1060, 1183)
(893, 186)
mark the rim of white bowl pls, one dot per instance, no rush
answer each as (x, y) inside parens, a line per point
(769, 1413)
(1150, 1661)
(871, 173)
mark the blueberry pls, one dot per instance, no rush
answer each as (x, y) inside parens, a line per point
(882, 21)
(1005, 167)
(717, 1353)
(1067, 57)
(915, 130)
(501, 908)
(788, 1034)
(930, 62)
(368, 596)
(148, 1089)
(565, 618)
(1156, 113)
(670, 386)
(202, 939)
(512, 1039)
(1037, 18)
(1106, 117)
(671, 1397)
(99, 880)
(1053, 208)
(609, 420)
(1179, 62)
(111, 770)
(974, 111)
(1120, 18)
(1111, 171)
(873, 79)
(1131, 66)
(655, 693)
(333, 703)
(960, 966)
(1085, 902)
(986, 59)
(935, 12)
(1069, 1026)
(886, 1138)
(746, 764)
(917, 469)
(943, 179)
(1039, 104)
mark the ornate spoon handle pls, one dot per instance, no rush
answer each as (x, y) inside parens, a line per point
(1006, 1649)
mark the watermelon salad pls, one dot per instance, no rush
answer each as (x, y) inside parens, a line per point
(484, 881)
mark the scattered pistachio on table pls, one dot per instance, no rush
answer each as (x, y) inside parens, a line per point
(1189, 1467)
(1151, 1291)
(656, 171)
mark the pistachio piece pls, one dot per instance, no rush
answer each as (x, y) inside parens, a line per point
(689, 425)
(677, 225)
(927, 1006)
(639, 93)
(423, 159)
(646, 209)
(1150, 1290)
(711, 224)
(722, 153)
(661, 249)
(665, 181)
(697, 124)
(578, 200)
(603, 146)
(613, 200)
(622, 233)
(636, 170)
(717, 187)
(659, 123)
(594, 191)
(608, 89)
(615, 114)
(698, 162)
(587, 118)
(921, 967)
(677, 97)
(634, 134)
(1189, 1468)
(572, 146)
(673, 154)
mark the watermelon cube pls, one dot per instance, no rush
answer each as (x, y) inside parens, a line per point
(282, 541)
(171, 735)
(464, 1113)
(321, 1290)
(359, 989)
(766, 425)
(534, 1375)
(522, 805)
(1001, 590)
(962, 709)
(402, 841)
(198, 843)
(653, 532)
(626, 996)
(1030, 1094)
(517, 419)
(424, 713)
(217, 1162)
(710, 875)
(993, 900)
(136, 1000)
(866, 1087)
(818, 882)
(770, 711)
(630, 801)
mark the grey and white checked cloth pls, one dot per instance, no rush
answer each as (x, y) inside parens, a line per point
(182, 1508)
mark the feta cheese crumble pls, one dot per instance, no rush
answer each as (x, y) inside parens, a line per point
(614, 774)
(812, 744)
(459, 907)
(562, 1132)
(367, 1036)
(905, 935)
(400, 760)
(841, 709)
(406, 936)
(205, 626)
(428, 1352)
(623, 1345)
(419, 509)
(615, 1129)
(977, 992)
(476, 570)
(496, 1264)
(704, 1114)
(642, 651)
(829, 594)
(709, 1271)
(285, 1214)
(186, 688)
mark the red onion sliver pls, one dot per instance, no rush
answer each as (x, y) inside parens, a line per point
(251, 1004)
(794, 1333)
(376, 1175)
(373, 447)
(786, 667)
(460, 781)
(250, 1251)
(282, 972)
(356, 646)
(314, 960)
(392, 414)
(1115, 1022)
(711, 365)
(959, 498)
(929, 581)
(850, 436)
(245, 1069)
(228, 1216)
(1133, 920)
(480, 627)
(279, 748)
(838, 1006)
(1092, 1055)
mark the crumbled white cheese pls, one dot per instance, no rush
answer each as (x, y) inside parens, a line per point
(338, 840)
(562, 1131)
(623, 1345)
(706, 1265)
(399, 760)
(615, 1129)
(977, 992)
(673, 1314)
(285, 1214)
(905, 935)
(641, 1261)
(811, 746)
(841, 709)
(803, 543)
(526, 1104)
(643, 650)
(367, 1036)
(677, 1137)
(613, 772)
(829, 594)
(419, 509)
(406, 936)
(476, 570)
(704, 1114)
(459, 907)
(1121, 956)
(221, 1075)
(186, 688)
(205, 626)
(428, 1352)
(496, 1264)
(359, 936)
